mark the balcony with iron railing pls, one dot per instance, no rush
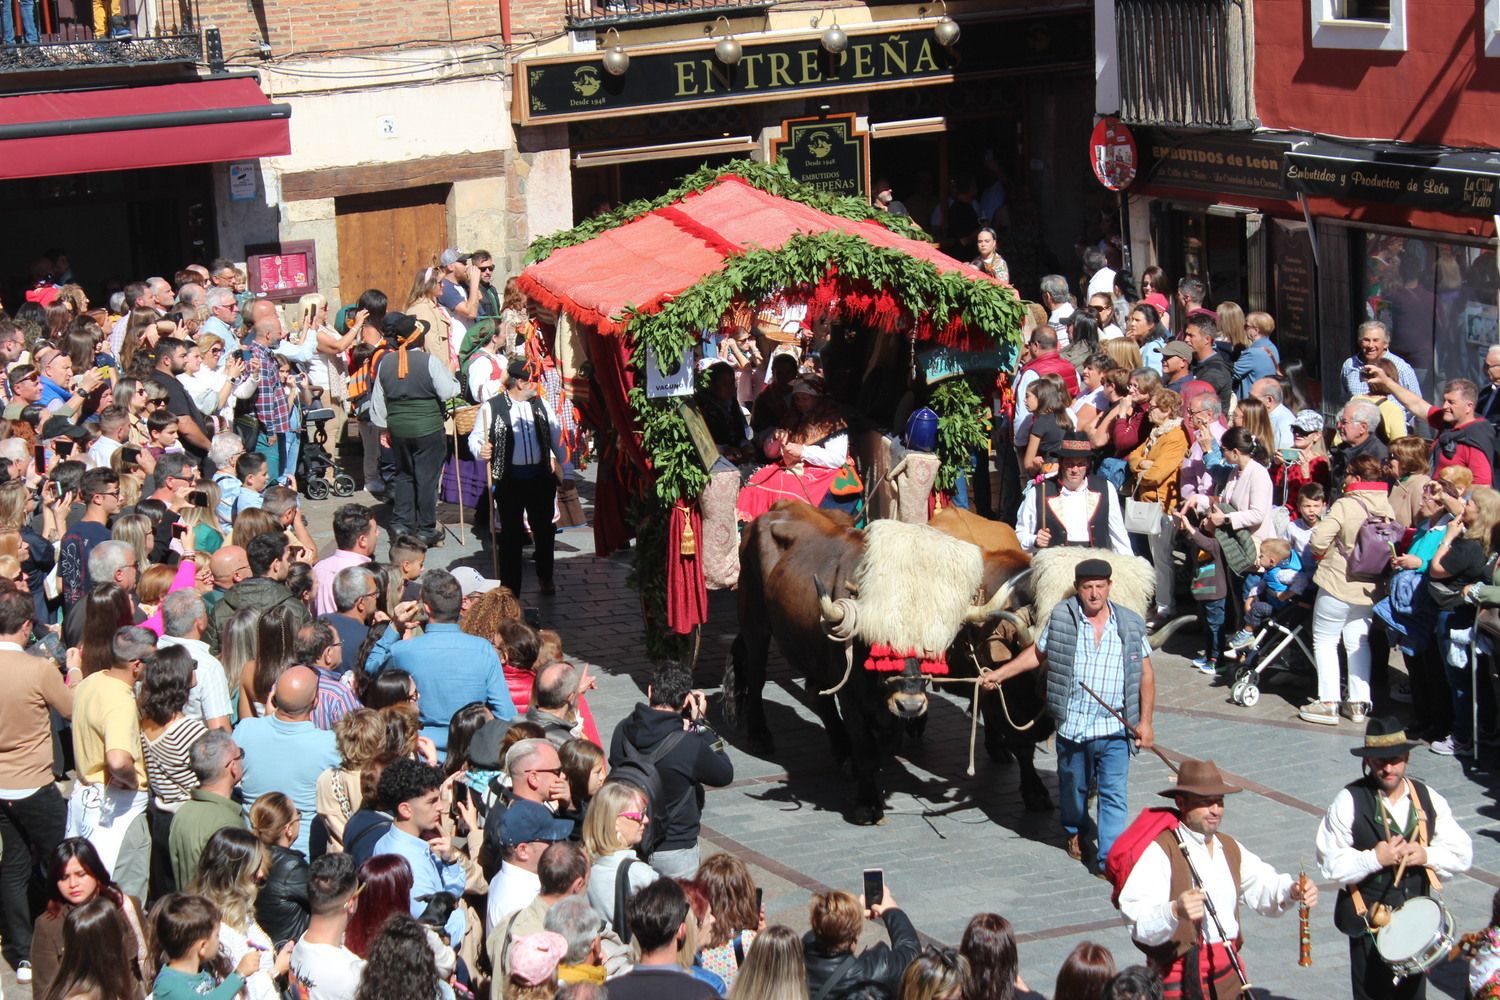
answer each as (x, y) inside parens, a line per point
(77, 34)
(602, 14)
(1186, 63)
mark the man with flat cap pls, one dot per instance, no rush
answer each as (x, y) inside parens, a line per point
(1375, 825)
(518, 434)
(1089, 640)
(1166, 909)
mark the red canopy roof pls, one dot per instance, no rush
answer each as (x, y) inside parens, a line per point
(647, 261)
(75, 132)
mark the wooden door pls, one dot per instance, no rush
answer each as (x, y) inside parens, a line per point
(386, 237)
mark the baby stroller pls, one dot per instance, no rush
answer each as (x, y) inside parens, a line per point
(313, 460)
(1282, 631)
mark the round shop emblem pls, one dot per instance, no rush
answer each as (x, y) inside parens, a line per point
(819, 145)
(586, 81)
(1112, 153)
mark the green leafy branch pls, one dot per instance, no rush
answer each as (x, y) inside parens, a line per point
(963, 429)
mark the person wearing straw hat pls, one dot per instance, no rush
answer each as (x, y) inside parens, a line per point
(1385, 839)
(1075, 508)
(1090, 640)
(1183, 897)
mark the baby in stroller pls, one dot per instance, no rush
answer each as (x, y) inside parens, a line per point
(1269, 590)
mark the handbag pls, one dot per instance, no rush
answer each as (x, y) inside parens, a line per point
(1142, 517)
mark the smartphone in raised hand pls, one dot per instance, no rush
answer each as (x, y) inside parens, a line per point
(874, 887)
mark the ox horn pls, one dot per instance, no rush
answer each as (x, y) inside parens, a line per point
(978, 614)
(832, 613)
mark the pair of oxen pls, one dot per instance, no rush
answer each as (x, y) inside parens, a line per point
(870, 617)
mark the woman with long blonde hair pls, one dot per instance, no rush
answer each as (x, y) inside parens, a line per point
(238, 645)
(135, 529)
(422, 303)
(230, 870)
(327, 369)
(774, 968)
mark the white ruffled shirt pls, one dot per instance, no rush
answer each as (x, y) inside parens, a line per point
(1147, 908)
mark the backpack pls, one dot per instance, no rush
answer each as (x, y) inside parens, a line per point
(639, 769)
(1130, 845)
(1373, 545)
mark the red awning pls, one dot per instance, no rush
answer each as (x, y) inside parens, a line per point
(650, 259)
(75, 132)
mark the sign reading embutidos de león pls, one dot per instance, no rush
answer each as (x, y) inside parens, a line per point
(828, 153)
(571, 88)
(1222, 163)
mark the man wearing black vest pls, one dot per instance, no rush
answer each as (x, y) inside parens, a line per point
(518, 435)
(1167, 913)
(1075, 508)
(1373, 826)
(1090, 640)
(406, 403)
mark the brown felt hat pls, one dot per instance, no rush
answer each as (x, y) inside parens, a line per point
(1199, 777)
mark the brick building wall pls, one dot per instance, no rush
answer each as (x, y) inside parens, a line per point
(299, 29)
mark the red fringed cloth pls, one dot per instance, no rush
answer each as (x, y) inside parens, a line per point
(885, 660)
(687, 595)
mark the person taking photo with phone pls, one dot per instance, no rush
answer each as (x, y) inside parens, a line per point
(667, 732)
(837, 918)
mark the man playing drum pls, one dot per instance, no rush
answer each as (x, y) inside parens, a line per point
(1388, 838)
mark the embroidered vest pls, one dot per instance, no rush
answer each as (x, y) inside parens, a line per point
(1098, 522)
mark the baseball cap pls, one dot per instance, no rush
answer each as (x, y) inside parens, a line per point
(1177, 349)
(526, 821)
(1308, 422)
(470, 582)
(57, 427)
(452, 256)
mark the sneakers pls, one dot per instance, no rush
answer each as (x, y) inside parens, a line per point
(1242, 639)
(1450, 747)
(1356, 712)
(23, 972)
(1402, 693)
(1324, 713)
(1206, 665)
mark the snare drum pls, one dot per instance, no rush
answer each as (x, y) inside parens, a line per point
(1417, 938)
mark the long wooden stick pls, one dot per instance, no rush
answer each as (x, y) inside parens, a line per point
(1129, 730)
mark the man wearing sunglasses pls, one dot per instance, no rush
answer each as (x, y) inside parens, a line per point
(483, 263)
(460, 291)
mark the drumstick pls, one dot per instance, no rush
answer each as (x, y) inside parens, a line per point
(1380, 914)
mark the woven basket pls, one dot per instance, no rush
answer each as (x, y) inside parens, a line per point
(465, 417)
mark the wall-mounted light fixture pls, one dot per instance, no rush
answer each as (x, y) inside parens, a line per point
(945, 29)
(727, 49)
(616, 59)
(834, 40)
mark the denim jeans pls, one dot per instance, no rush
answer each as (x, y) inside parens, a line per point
(28, 24)
(1106, 760)
(1213, 618)
(682, 863)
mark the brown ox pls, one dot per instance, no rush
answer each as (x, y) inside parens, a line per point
(803, 573)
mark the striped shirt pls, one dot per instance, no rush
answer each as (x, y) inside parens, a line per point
(1100, 665)
(167, 768)
(335, 699)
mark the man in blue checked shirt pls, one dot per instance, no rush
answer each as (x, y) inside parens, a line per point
(450, 669)
(1089, 640)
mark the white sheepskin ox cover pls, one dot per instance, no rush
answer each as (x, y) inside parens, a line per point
(915, 585)
(1132, 579)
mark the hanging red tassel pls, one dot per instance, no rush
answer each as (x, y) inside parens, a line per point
(687, 594)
